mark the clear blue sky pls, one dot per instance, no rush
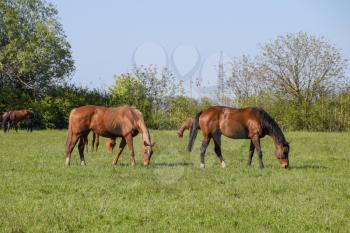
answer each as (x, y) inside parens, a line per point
(104, 34)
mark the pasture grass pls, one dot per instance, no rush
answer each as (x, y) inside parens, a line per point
(39, 194)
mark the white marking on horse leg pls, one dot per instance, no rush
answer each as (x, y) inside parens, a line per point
(202, 165)
(82, 163)
(67, 161)
(223, 164)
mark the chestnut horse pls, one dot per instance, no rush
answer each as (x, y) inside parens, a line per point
(186, 125)
(245, 123)
(124, 121)
(17, 116)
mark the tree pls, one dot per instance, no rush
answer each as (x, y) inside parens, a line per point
(34, 53)
(160, 84)
(245, 80)
(129, 90)
(302, 67)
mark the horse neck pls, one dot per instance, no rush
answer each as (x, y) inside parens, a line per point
(274, 131)
(183, 127)
(143, 131)
(278, 144)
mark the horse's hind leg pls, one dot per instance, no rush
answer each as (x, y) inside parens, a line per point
(251, 153)
(86, 144)
(81, 149)
(120, 150)
(256, 142)
(217, 148)
(204, 146)
(72, 141)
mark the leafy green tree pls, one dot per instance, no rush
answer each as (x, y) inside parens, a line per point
(53, 110)
(129, 90)
(34, 52)
(150, 90)
(181, 108)
(159, 84)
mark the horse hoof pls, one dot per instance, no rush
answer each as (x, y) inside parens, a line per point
(223, 164)
(82, 163)
(202, 165)
(67, 162)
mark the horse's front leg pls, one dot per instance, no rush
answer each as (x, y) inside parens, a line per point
(251, 153)
(129, 141)
(256, 142)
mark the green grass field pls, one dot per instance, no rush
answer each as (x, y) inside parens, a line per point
(39, 194)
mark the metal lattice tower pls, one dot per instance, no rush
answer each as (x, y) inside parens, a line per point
(221, 81)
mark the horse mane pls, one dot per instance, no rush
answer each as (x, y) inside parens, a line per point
(270, 125)
(140, 119)
(138, 113)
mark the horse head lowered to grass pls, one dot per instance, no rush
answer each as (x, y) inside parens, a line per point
(246, 123)
(124, 121)
(186, 125)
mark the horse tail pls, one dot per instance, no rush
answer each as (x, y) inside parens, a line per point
(5, 121)
(70, 133)
(195, 127)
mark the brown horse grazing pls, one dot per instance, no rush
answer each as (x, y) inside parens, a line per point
(246, 123)
(18, 116)
(109, 144)
(124, 121)
(186, 125)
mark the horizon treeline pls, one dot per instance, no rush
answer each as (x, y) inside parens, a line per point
(298, 78)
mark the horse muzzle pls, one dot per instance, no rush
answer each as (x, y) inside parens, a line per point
(284, 163)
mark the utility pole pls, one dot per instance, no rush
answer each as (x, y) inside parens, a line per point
(221, 81)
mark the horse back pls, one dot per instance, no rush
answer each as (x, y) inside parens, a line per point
(80, 118)
(122, 120)
(237, 123)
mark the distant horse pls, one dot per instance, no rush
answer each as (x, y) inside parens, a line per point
(109, 144)
(186, 125)
(3, 116)
(16, 117)
(246, 123)
(124, 121)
